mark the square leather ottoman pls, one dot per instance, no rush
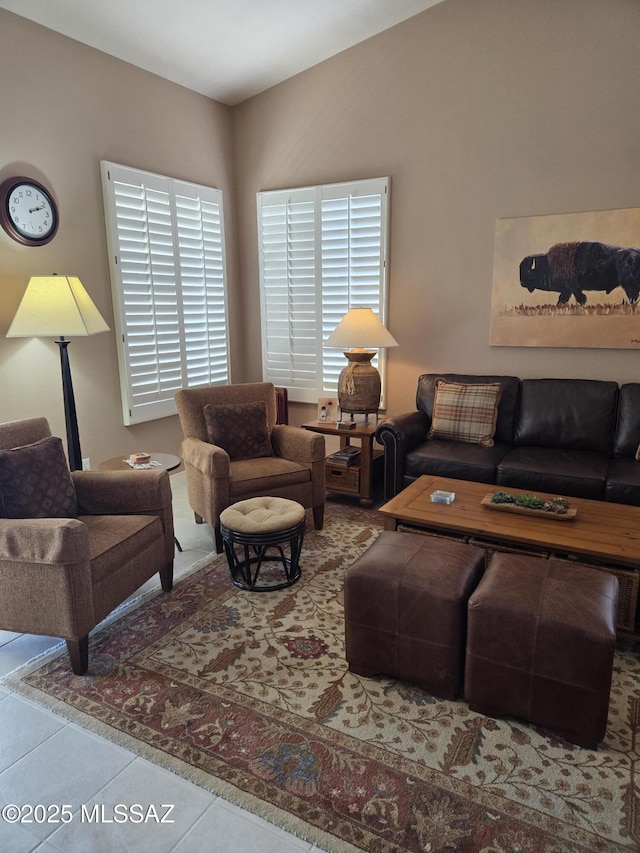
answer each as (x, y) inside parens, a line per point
(405, 602)
(540, 644)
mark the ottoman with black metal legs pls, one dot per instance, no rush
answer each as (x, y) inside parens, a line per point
(255, 534)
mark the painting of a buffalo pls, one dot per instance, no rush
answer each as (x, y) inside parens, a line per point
(569, 269)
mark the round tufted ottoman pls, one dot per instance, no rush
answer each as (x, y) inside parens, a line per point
(261, 525)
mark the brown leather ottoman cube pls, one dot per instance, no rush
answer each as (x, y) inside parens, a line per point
(540, 643)
(405, 602)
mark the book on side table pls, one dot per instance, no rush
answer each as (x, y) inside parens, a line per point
(345, 457)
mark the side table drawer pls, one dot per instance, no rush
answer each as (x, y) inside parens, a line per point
(343, 479)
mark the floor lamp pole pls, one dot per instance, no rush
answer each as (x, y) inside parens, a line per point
(70, 416)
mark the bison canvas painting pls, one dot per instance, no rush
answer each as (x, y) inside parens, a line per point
(567, 280)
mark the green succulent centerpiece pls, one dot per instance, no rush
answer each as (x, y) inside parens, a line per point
(557, 505)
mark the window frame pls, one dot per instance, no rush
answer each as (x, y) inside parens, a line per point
(184, 325)
(306, 263)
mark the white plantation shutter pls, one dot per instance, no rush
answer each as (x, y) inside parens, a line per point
(202, 275)
(353, 264)
(166, 247)
(322, 250)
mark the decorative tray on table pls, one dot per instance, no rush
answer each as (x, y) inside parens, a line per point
(556, 508)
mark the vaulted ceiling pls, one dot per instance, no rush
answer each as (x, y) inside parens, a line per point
(228, 50)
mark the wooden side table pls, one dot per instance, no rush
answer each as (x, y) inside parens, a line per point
(354, 480)
(168, 462)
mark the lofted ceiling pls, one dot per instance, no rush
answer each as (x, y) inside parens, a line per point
(228, 50)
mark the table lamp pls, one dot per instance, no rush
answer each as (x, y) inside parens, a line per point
(59, 305)
(359, 383)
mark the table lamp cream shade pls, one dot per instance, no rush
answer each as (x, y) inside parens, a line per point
(360, 328)
(359, 384)
(56, 305)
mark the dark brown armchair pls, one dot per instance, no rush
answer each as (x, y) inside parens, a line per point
(75, 545)
(233, 449)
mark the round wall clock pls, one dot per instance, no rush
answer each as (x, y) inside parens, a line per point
(28, 212)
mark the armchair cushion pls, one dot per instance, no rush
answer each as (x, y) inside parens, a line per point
(267, 477)
(241, 429)
(35, 481)
(465, 412)
(114, 540)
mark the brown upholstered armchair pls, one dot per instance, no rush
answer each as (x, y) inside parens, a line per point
(233, 449)
(74, 545)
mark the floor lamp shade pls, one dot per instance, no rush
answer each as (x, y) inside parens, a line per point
(57, 305)
(359, 384)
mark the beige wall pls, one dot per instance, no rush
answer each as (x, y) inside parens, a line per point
(477, 110)
(65, 107)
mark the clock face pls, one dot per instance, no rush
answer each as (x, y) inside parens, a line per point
(27, 211)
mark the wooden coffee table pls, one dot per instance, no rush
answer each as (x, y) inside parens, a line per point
(604, 534)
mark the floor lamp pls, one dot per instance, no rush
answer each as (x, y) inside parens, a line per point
(58, 305)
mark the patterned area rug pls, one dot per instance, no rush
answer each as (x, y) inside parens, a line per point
(249, 695)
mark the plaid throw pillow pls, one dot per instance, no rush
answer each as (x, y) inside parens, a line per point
(465, 412)
(35, 482)
(240, 429)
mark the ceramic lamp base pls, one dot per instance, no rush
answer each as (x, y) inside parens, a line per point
(359, 384)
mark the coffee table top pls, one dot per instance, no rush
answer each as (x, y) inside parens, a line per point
(600, 531)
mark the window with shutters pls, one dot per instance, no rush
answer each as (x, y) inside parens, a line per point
(167, 260)
(322, 251)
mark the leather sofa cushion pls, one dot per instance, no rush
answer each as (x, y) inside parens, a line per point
(577, 473)
(455, 459)
(628, 427)
(623, 481)
(576, 414)
(506, 408)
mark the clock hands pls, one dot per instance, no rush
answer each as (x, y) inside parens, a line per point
(34, 209)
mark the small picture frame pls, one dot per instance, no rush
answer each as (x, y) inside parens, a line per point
(328, 410)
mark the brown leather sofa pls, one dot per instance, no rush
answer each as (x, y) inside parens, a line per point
(573, 437)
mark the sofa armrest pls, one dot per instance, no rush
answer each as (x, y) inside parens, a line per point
(121, 492)
(45, 541)
(207, 458)
(45, 576)
(297, 444)
(399, 435)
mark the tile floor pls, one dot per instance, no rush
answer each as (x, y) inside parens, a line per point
(46, 760)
